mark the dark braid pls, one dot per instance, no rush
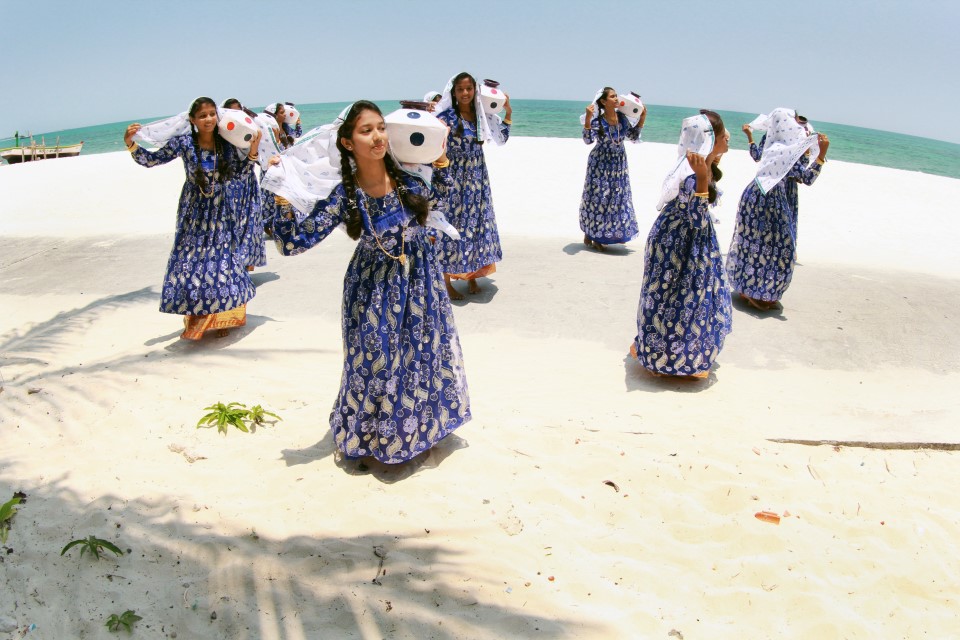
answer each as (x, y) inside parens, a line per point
(413, 202)
(353, 220)
(600, 111)
(715, 174)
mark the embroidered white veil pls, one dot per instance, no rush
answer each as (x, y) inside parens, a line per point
(696, 134)
(787, 141)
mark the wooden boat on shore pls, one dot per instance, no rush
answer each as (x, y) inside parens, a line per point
(42, 151)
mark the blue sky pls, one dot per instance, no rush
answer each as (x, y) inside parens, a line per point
(881, 64)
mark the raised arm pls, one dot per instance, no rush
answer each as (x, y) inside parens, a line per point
(163, 155)
(294, 237)
(809, 174)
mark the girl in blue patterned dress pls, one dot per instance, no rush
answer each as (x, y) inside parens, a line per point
(247, 198)
(684, 313)
(763, 251)
(470, 203)
(205, 279)
(283, 133)
(403, 387)
(606, 207)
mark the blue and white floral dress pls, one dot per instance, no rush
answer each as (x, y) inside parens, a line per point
(469, 204)
(205, 273)
(684, 313)
(403, 387)
(606, 207)
(244, 191)
(763, 251)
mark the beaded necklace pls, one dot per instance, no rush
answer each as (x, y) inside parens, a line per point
(213, 173)
(373, 208)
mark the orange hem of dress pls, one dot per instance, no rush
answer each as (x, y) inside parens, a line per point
(482, 272)
(195, 326)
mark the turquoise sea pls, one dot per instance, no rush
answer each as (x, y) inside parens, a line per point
(560, 119)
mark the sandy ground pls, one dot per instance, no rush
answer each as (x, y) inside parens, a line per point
(585, 499)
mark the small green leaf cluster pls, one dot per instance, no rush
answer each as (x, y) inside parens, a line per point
(92, 544)
(125, 620)
(7, 512)
(223, 416)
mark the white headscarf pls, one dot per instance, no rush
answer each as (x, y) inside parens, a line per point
(309, 171)
(583, 116)
(429, 95)
(696, 134)
(160, 132)
(787, 141)
(488, 125)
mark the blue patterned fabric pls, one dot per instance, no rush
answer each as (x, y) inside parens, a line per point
(403, 387)
(469, 204)
(606, 207)
(205, 273)
(293, 132)
(756, 150)
(684, 313)
(247, 199)
(763, 251)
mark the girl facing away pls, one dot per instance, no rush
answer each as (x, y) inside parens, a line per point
(763, 251)
(684, 313)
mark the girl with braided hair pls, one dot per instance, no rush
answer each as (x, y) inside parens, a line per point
(403, 387)
(248, 199)
(606, 207)
(205, 281)
(684, 313)
(470, 205)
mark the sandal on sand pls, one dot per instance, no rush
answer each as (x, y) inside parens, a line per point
(756, 304)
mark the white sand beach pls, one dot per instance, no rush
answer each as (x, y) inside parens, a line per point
(586, 499)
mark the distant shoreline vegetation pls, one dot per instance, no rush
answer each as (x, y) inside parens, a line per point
(560, 119)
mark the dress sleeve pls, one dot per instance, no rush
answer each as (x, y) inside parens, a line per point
(146, 158)
(590, 132)
(696, 206)
(505, 130)
(805, 174)
(294, 237)
(757, 150)
(632, 133)
(440, 184)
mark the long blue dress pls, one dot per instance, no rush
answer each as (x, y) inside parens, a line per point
(403, 387)
(606, 207)
(684, 313)
(205, 273)
(763, 251)
(248, 199)
(470, 204)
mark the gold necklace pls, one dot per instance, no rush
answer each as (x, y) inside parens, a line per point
(213, 174)
(402, 258)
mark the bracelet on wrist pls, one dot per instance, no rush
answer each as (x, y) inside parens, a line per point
(507, 121)
(441, 165)
(132, 147)
(705, 194)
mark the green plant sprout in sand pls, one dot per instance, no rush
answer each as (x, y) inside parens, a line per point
(7, 512)
(224, 415)
(94, 545)
(126, 620)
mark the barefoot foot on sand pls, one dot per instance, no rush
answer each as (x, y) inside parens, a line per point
(473, 286)
(453, 293)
